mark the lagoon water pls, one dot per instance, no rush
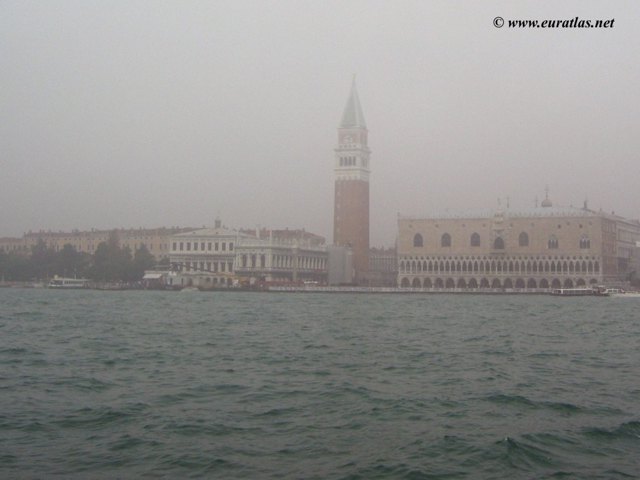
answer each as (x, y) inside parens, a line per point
(326, 386)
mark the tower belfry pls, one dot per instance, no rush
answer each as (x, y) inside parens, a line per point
(351, 172)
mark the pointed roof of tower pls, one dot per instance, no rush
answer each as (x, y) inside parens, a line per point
(352, 115)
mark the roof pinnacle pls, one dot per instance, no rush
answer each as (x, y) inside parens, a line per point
(352, 117)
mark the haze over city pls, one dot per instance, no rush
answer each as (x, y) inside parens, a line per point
(126, 114)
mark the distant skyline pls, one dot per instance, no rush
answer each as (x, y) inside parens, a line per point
(139, 113)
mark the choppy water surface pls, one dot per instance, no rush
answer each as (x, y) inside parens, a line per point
(241, 385)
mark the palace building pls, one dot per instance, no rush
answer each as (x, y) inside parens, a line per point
(351, 201)
(546, 247)
(217, 257)
(156, 240)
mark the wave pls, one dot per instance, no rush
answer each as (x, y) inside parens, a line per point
(624, 431)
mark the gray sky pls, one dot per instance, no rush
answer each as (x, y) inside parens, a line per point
(149, 113)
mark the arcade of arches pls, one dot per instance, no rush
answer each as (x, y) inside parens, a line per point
(517, 272)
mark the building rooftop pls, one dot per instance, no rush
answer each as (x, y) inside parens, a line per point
(558, 211)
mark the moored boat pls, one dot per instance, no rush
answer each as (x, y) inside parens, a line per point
(68, 283)
(621, 293)
(580, 292)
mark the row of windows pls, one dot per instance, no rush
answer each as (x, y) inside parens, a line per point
(210, 246)
(498, 266)
(498, 243)
(282, 261)
(474, 283)
(347, 161)
(204, 266)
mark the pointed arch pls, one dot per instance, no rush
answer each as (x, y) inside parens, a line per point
(418, 240)
(445, 240)
(523, 239)
(475, 239)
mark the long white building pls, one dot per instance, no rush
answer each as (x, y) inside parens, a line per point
(220, 257)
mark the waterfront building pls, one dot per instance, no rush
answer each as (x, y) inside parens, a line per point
(14, 245)
(282, 256)
(156, 240)
(206, 256)
(351, 172)
(546, 247)
(216, 257)
(383, 267)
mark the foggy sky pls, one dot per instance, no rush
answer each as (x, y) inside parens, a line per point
(149, 113)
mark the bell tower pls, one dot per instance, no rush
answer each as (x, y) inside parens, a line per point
(351, 172)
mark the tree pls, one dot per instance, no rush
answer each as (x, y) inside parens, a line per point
(142, 260)
(17, 268)
(43, 260)
(3, 265)
(110, 262)
(70, 262)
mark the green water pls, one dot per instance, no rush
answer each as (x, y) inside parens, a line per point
(248, 385)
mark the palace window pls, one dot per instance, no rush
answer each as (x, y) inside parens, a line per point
(445, 241)
(498, 243)
(553, 242)
(523, 239)
(417, 240)
(585, 242)
(475, 240)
